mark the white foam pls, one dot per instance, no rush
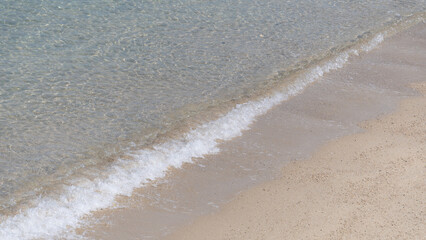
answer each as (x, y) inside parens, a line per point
(373, 43)
(52, 217)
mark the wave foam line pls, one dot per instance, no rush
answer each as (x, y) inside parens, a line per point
(51, 216)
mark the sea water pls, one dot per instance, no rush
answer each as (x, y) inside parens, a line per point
(92, 93)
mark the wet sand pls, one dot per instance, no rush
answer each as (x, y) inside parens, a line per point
(369, 184)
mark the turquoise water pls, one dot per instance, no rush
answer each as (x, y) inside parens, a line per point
(82, 82)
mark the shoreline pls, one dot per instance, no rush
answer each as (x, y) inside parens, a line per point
(148, 210)
(367, 185)
(157, 121)
(148, 166)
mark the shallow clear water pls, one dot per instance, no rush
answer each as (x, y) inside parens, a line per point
(82, 81)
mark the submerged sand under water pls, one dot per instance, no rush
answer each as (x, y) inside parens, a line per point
(363, 186)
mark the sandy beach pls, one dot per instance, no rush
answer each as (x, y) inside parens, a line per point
(369, 185)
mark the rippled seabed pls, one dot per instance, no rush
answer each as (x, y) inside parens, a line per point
(82, 81)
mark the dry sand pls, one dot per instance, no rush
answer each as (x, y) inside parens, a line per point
(369, 185)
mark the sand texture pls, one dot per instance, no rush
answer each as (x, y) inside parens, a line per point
(368, 185)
